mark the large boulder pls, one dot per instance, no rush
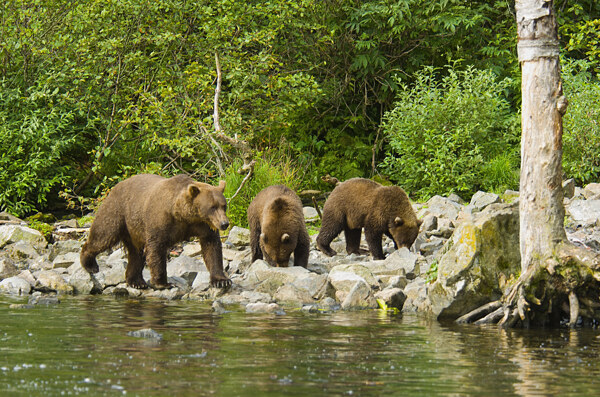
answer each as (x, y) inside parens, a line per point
(268, 279)
(441, 207)
(15, 286)
(481, 254)
(14, 233)
(584, 212)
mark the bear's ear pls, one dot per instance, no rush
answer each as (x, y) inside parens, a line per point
(398, 221)
(221, 186)
(263, 237)
(193, 190)
(285, 238)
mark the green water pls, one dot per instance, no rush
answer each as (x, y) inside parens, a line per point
(81, 347)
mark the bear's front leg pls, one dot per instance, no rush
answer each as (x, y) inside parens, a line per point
(212, 252)
(156, 259)
(374, 242)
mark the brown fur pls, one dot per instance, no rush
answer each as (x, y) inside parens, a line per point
(277, 227)
(148, 214)
(361, 203)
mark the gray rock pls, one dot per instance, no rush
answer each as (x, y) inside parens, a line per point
(21, 250)
(202, 281)
(403, 260)
(591, 191)
(238, 236)
(310, 214)
(359, 297)
(15, 286)
(430, 223)
(480, 200)
(456, 198)
(254, 297)
(260, 307)
(397, 282)
(115, 274)
(146, 333)
(7, 268)
(65, 247)
(83, 283)
(393, 297)
(568, 188)
(417, 296)
(290, 294)
(50, 280)
(344, 277)
(329, 304)
(440, 207)
(65, 260)
(482, 251)
(584, 212)
(269, 279)
(192, 249)
(14, 233)
(432, 246)
(185, 267)
(5, 216)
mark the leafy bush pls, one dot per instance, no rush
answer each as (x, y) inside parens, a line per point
(268, 171)
(454, 133)
(35, 136)
(581, 123)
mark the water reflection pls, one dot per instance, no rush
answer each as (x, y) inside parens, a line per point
(81, 347)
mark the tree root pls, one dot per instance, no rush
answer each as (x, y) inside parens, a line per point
(566, 284)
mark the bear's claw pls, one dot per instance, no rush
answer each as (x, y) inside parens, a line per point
(223, 283)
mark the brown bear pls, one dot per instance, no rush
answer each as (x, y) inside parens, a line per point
(148, 214)
(361, 203)
(277, 227)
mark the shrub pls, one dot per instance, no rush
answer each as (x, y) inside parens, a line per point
(454, 133)
(581, 123)
(270, 170)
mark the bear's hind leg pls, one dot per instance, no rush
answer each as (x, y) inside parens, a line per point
(100, 239)
(135, 265)
(331, 227)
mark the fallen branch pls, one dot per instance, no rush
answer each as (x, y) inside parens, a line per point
(250, 169)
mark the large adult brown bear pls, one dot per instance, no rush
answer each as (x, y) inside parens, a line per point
(277, 227)
(148, 214)
(361, 203)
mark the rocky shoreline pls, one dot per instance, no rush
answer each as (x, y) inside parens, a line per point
(463, 257)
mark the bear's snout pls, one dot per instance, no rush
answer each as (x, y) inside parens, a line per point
(224, 225)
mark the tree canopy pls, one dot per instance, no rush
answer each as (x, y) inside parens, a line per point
(94, 91)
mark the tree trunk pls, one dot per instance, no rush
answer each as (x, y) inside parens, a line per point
(558, 281)
(541, 196)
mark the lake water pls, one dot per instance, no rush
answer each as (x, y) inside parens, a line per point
(82, 347)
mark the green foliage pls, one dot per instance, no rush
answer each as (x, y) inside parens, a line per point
(581, 123)
(41, 227)
(432, 273)
(269, 170)
(34, 138)
(444, 132)
(95, 91)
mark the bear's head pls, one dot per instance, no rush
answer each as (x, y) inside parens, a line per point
(404, 232)
(279, 237)
(401, 220)
(205, 203)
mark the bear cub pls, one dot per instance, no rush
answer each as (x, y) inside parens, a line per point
(277, 227)
(361, 203)
(149, 214)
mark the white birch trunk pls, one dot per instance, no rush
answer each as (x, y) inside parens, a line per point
(541, 196)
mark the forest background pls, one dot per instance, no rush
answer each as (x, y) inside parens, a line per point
(423, 94)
